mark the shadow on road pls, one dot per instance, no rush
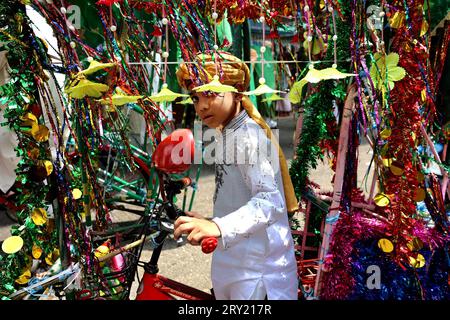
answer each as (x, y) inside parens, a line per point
(5, 225)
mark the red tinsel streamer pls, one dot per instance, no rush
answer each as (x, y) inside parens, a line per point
(442, 54)
(405, 120)
(108, 3)
(330, 144)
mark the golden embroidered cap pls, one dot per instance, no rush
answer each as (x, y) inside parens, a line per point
(231, 71)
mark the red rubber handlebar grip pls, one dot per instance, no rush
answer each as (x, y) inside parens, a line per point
(209, 244)
(186, 181)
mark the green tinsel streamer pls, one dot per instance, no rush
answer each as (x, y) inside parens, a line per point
(17, 96)
(318, 111)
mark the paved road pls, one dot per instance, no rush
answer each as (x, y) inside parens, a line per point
(5, 225)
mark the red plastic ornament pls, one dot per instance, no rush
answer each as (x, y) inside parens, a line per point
(176, 152)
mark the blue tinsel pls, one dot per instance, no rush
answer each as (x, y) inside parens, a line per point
(396, 283)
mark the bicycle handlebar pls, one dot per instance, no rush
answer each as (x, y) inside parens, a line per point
(208, 244)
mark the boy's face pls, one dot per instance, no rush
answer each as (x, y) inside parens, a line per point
(215, 109)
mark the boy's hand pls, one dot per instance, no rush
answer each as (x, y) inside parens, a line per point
(196, 228)
(194, 214)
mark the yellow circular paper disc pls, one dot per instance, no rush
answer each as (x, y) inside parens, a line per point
(12, 244)
(52, 257)
(48, 259)
(385, 245)
(423, 95)
(415, 244)
(396, 169)
(417, 262)
(36, 251)
(76, 193)
(29, 119)
(387, 162)
(48, 166)
(34, 153)
(39, 216)
(386, 133)
(40, 133)
(420, 177)
(420, 195)
(381, 200)
(384, 150)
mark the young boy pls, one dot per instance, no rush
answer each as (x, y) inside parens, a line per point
(255, 257)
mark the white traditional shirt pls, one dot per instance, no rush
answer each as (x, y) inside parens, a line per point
(256, 245)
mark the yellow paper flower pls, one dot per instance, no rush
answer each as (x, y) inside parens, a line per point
(387, 162)
(120, 99)
(315, 76)
(30, 125)
(385, 69)
(47, 165)
(215, 86)
(166, 95)
(39, 216)
(81, 88)
(295, 95)
(263, 88)
(187, 101)
(273, 97)
(396, 168)
(95, 66)
(101, 251)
